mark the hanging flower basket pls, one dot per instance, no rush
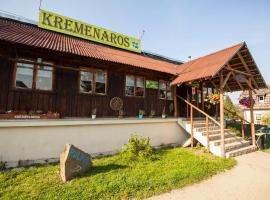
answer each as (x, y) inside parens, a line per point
(247, 102)
(213, 99)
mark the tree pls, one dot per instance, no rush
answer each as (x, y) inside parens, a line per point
(266, 119)
(228, 104)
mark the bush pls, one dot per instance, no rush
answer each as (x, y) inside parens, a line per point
(137, 148)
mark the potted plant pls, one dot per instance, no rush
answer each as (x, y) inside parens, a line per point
(247, 102)
(121, 113)
(141, 114)
(94, 113)
(164, 113)
(152, 113)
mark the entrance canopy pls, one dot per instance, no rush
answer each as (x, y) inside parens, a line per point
(235, 64)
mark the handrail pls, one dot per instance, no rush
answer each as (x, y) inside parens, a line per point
(198, 109)
(191, 122)
(242, 120)
(234, 113)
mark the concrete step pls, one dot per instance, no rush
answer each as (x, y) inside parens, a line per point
(211, 132)
(203, 129)
(236, 145)
(228, 140)
(201, 125)
(218, 136)
(241, 151)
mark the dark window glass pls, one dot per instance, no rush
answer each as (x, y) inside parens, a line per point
(44, 78)
(101, 82)
(139, 86)
(130, 85)
(86, 81)
(162, 89)
(24, 75)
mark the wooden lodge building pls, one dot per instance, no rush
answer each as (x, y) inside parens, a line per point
(42, 70)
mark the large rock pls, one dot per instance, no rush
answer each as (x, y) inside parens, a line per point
(73, 161)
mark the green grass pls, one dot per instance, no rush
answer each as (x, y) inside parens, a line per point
(114, 177)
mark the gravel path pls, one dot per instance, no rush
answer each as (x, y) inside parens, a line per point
(249, 180)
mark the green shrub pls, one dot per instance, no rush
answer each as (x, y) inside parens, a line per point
(137, 148)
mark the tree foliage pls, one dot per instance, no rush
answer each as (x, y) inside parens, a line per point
(228, 104)
(266, 119)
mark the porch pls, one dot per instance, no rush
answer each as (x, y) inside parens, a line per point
(229, 70)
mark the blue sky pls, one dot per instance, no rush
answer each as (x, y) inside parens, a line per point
(174, 28)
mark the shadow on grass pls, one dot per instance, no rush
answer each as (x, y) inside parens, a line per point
(102, 169)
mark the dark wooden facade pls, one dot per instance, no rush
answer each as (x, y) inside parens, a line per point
(66, 98)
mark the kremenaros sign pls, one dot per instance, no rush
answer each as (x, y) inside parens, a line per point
(58, 23)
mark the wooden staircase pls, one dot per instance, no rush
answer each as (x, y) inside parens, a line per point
(234, 146)
(211, 133)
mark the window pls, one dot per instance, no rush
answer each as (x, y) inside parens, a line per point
(165, 91)
(86, 82)
(135, 86)
(24, 76)
(44, 78)
(30, 76)
(258, 117)
(101, 82)
(261, 98)
(93, 81)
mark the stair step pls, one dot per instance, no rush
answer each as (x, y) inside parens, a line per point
(211, 132)
(203, 129)
(228, 140)
(218, 136)
(236, 145)
(241, 151)
(201, 125)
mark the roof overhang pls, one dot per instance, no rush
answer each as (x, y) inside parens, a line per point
(235, 64)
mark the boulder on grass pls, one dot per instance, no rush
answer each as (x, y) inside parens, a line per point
(73, 161)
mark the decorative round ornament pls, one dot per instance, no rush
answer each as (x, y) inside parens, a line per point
(116, 103)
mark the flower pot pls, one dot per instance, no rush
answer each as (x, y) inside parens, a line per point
(94, 116)
(140, 116)
(163, 116)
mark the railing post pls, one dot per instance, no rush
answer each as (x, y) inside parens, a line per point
(222, 138)
(252, 126)
(243, 130)
(191, 126)
(207, 134)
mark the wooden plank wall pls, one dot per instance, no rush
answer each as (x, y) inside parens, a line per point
(67, 100)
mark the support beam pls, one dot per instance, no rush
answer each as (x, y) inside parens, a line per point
(175, 101)
(250, 85)
(248, 70)
(222, 142)
(226, 79)
(234, 76)
(252, 126)
(239, 72)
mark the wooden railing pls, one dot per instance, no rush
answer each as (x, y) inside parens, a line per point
(242, 121)
(208, 117)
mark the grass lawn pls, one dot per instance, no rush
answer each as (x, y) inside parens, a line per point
(114, 177)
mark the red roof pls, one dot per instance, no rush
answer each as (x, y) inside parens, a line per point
(206, 66)
(31, 35)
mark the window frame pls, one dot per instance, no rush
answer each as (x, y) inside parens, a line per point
(166, 90)
(261, 101)
(35, 74)
(135, 86)
(94, 72)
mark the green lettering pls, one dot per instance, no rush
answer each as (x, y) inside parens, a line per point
(58, 21)
(113, 38)
(126, 42)
(78, 28)
(88, 30)
(105, 35)
(120, 40)
(68, 24)
(46, 18)
(96, 33)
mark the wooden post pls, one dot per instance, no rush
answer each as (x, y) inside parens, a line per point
(222, 118)
(252, 126)
(243, 130)
(191, 126)
(175, 101)
(207, 134)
